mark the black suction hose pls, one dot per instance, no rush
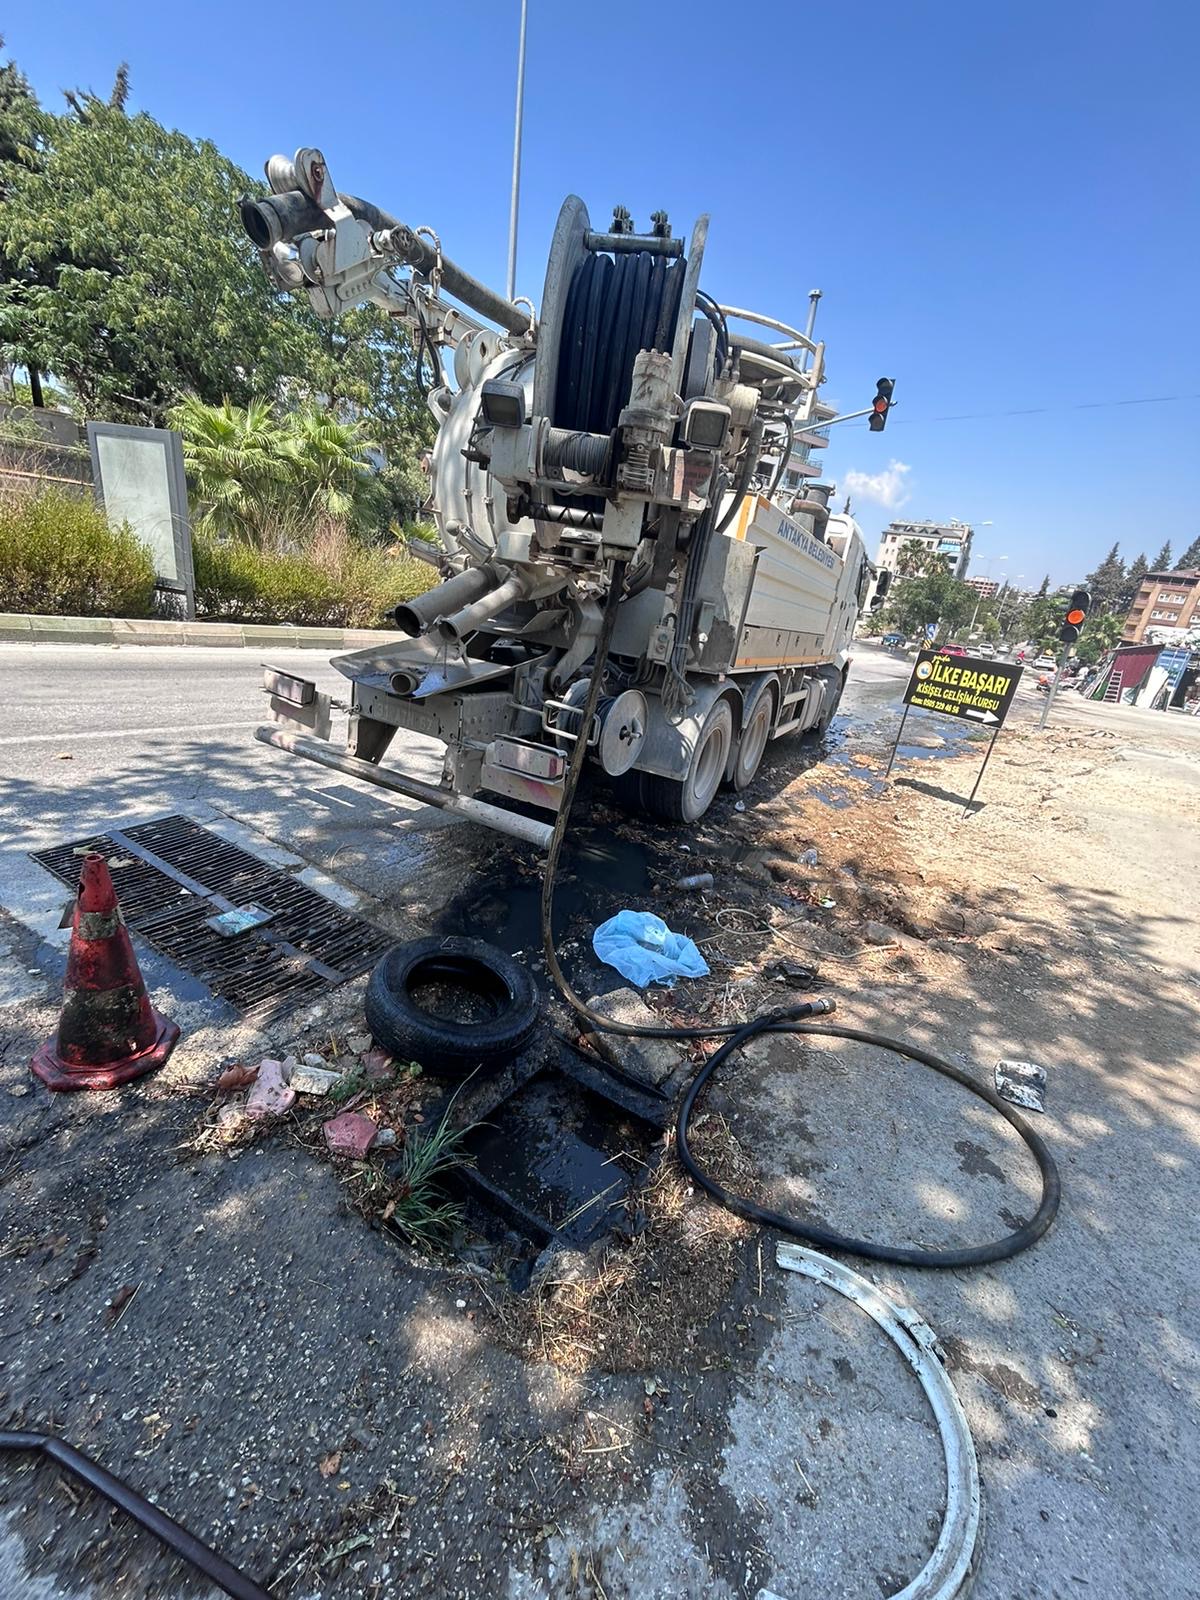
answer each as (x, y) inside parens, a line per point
(787, 1021)
(185, 1545)
(825, 1238)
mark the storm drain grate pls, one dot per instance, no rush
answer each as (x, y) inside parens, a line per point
(173, 874)
(248, 972)
(142, 888)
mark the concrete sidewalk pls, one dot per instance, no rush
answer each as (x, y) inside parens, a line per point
(22, 628)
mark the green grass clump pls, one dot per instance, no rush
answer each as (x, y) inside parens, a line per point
(330, 583)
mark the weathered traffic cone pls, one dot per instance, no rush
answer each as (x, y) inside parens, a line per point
(108, 1032)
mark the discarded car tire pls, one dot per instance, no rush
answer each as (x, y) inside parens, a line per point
(446, 1045)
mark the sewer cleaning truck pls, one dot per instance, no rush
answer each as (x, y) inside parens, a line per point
(628, 442)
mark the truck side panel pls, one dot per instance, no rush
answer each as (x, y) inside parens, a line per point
(787, 620)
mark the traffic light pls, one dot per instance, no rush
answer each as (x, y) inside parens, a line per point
(1077, 610)
(881, 405)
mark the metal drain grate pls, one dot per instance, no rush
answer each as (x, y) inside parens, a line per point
(141, 888)
(173, 874)
(249, 972)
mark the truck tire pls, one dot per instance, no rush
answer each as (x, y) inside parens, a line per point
(687, 800)
(757, 720)
(440, 1044)
(821, 727)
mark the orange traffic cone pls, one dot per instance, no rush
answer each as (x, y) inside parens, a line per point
(108, 1032)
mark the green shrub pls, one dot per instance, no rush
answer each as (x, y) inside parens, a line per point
(334, 583)
(59, 557)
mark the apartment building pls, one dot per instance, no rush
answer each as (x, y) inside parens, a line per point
(1165, 600)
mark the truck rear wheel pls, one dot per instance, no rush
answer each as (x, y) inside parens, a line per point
(688, 799)
(821, 727)
(752, 744)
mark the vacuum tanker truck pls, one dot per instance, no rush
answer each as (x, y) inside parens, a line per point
(626, 443)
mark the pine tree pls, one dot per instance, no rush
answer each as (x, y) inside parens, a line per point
(1045, 588)
(1108, 581)
(1162, 561)
(1133, 581)
(120, 88)
(1189, 561)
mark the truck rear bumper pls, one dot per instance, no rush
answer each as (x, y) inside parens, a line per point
(525, 828)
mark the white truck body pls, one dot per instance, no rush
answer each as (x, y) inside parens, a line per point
(623, 449)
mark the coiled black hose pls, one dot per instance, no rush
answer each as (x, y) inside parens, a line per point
(825, 1238)
(790, 1021)
(616, 306)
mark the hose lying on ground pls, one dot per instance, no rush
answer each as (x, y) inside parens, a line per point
(199, 1556)
(791, 1020)
(970, 1256)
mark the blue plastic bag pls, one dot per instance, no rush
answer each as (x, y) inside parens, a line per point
(644, 950)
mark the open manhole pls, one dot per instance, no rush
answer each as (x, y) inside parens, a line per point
(557, 1161)
(173, 876)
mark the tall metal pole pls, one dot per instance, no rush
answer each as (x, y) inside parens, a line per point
(516, 170)
(1050, 699)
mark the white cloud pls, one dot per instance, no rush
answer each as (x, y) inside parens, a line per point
(888, 488)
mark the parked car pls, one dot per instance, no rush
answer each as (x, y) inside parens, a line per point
(893, 641)
(1045, 664)
(953, 650)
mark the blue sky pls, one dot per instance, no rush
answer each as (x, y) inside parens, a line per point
(999, 202)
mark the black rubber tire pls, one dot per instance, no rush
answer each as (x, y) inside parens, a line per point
(687, 801)
(748, 747)
(821, 728)
(440, 1045)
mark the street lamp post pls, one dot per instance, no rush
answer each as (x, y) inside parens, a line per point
(515, 205)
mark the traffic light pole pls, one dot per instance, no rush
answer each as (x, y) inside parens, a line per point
(1049, 701)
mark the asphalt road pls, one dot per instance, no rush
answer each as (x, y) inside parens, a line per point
(96, 737)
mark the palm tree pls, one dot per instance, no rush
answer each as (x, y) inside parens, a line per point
(277, 480)
(910, 559)
(916, 559)
(235, 466)
(333, 467)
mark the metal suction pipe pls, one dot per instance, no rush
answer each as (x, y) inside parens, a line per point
(279, 218)
(419, 614)
(452, 630)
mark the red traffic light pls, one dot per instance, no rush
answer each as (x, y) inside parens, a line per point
(881, 405)
(1076, 612)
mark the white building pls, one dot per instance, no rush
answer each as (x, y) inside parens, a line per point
(952, 539)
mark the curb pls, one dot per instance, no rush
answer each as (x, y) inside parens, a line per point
(19, 628)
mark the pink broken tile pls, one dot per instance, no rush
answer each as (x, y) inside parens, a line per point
(270, 1094)
(350, 1134)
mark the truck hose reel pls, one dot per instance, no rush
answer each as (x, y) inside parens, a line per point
(616, 306)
